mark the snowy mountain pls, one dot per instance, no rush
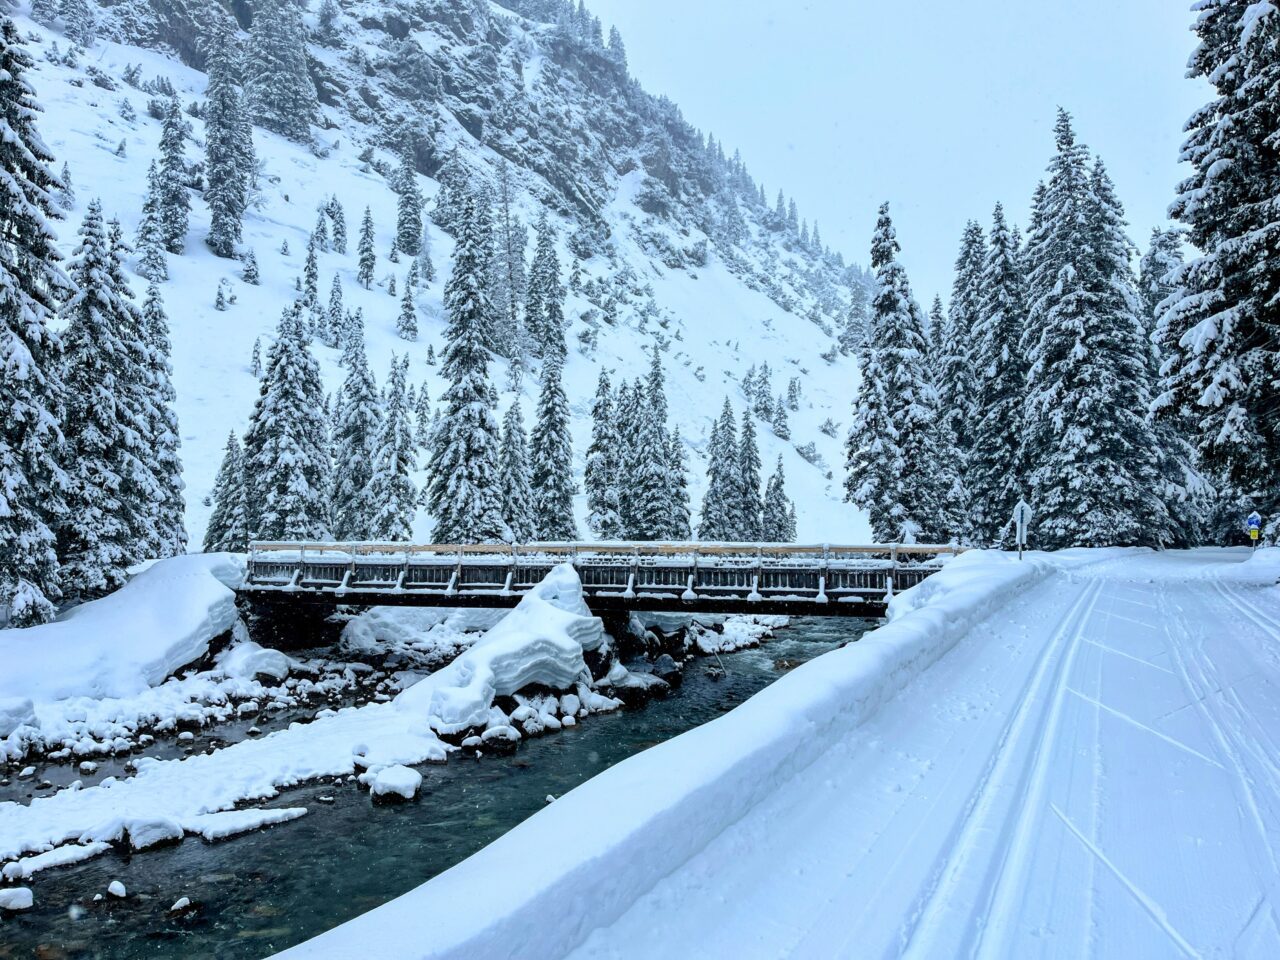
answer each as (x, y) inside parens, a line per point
(665, 241)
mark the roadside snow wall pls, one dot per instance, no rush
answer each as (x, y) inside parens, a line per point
(583, 860)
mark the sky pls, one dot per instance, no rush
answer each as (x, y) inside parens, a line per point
(941, 108)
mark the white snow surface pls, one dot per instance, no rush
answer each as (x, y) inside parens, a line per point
(1069, 756)
(128, 641)
(17, 898)
(395, 781)
(540, 641)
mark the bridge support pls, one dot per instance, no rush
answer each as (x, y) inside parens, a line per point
(283, 624)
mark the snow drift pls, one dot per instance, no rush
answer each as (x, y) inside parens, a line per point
(651, 813)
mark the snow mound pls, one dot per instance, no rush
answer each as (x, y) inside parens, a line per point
(541, 641)
(19, 898)
(394, 781)
(248, 660)
(126, 642)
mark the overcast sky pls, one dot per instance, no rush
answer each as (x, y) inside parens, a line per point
(941, 108)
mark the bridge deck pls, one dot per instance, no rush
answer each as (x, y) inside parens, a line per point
(695, 578)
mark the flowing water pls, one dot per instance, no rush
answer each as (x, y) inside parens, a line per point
(269, 890)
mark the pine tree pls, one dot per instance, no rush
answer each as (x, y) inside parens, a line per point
(391, 488)
(601, 477)
(954, 365)
(426, 266)
(996, 473)
(462, 494)
(255, 361)
(338, 218)
(112, 492)
(749, 523)
(552, 453)
(335, 315)
(45, 12)
(357, 427)
(163, 436)
(227, 531)
(282, 96)
(515, 479)
(781, 428)
(366, 253)
(152, 263)
(544, 303)
(451, 200)
(311, 277)
(250, 272)
(31, 282)
(509, 280)
(1221, 333)
(286, 447)
(409, 209)
(173, 203)
(320, 232)
(629, 409)
(680, 528)
(1087, 446)
(229, 156)
(407, 322)
(891, 452)
(722, 505)
(81, 22)
(776, 523)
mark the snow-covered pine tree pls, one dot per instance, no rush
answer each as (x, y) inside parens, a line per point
(111, 491)
(629, 406)
(409, 205)
(679, 522)
(153, 265)
(338, 220)
(80, 21)
(391, 489)
(357, 427)
(255, 359)
(509, 280)
(422, 415)
(31, 282)
(320, 232)
(228, 139)
(282, 96)
(892, 458)
(336, 314)
(163, 436)
(455, 187)
(426, 266)
(995, 475)
(544, 302)
(781, 427)
(515, 478)
(776, 522)
(749, 522)
(66, 194)
(45, 12)
(1221, 332)
(226, 531)
(407, 321)
(286, 450)
(462, 494)
(601, 475)
(1088, 449)
(954, 377)
(722, 506)
(173, 202)
(366, 252)
(649, 481)
(552, 457)
(311, 277)
(250, 272)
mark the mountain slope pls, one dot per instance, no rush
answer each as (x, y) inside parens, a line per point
(666, 229)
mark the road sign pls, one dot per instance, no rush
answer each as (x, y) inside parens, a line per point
(1254, 525)
(1021, 521)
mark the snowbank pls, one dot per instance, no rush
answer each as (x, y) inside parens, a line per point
(597, 849)
(541, 641)
(124, 643)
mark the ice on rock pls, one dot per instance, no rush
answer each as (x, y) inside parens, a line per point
(15, 899)
(116, 889)
(396, 781)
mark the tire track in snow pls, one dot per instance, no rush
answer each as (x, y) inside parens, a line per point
(925, 933)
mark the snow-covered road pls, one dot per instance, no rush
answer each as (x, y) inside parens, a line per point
(1093, 771)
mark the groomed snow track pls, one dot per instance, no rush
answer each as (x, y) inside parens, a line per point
(1078, 759)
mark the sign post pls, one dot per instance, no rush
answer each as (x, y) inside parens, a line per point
(1254, 525)
(1021, 521)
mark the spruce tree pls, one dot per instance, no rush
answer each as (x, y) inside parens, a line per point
(226, 531)
(776, 518)
(422, 414)
(409, 208)
(152, 262)
(250, 272)
(320, 232)
(1221, 332)
(338, 218)
(80, 21)
(407, 322)
(509, 280)
(721, 506)
(111, 490)
(311, 277)
(601, 477)
(544, 302)
(286, 451)
(749, 523)
(515, 479)
(679, 521)
(229, 155)
(391, 489)
(173, 203)
(891, 448)
(996, 473)
(552, 453)
(335, 315)
(255, 359)
(31, 444)
(426, 266)
(954, 363)
(165, 440)
(282, 96)
(368, 258)
(1088, 449)
(463, 493)
(357, 427)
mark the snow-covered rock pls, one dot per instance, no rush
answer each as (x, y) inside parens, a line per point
(15, 899)
(117, 889)
(395, 781)
(248, 660)
(150, 832)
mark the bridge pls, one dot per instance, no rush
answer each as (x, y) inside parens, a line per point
(617, 578)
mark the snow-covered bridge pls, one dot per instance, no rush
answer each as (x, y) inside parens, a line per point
(824, 580)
